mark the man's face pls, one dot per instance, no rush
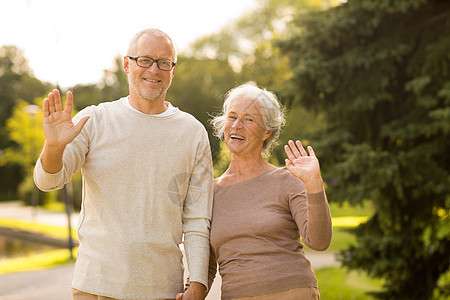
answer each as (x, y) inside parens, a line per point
(150, 83)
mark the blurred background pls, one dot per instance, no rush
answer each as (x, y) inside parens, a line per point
(366, 83)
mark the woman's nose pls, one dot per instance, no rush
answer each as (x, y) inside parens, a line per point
(237, 124)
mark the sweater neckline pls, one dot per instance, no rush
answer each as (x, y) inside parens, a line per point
(249, 180)
(141, 114)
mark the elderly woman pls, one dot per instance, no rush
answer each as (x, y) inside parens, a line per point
(261, 211)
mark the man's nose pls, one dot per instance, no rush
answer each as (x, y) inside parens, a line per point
(153, 68)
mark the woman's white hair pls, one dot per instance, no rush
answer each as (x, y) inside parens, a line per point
(271, 110)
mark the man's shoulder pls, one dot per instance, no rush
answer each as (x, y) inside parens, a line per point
(190, 119)
(107, 105)
(102, 106)
(98, 111)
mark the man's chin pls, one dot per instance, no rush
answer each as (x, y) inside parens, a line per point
(152, 95)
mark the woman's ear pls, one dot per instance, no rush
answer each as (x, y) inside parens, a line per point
(267, 134)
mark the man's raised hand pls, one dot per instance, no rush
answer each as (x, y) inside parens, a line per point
(59, 129)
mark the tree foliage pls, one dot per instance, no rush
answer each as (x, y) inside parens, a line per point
(242, 51)
(16, 82)
(379, 70)
(112, 86)
(198, 88)
(25, 132)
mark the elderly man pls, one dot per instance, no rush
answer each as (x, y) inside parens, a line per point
(147, 182)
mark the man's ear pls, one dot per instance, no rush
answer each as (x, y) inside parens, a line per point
(173, 70)
(126, 65)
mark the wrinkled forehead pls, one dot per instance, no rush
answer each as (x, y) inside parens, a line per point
(151, 45)
(244, 105)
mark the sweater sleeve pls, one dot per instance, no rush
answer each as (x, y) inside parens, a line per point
(46, 181)
(197, 214)
(313, 218)
(319, 222)
(212, 268)
(73, 159)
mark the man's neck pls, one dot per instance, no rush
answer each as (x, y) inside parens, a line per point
(150, 107)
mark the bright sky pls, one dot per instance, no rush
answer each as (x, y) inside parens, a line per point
(72, 42)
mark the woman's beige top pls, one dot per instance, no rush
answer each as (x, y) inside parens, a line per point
(255, 234)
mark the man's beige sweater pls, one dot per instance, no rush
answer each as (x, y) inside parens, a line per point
(146, 181)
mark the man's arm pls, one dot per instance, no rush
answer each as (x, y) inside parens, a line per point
(59, 130)
(197, 217)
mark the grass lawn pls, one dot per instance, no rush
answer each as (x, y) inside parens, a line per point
(53, 231)
(48, 258)
(344, 218)
(338, 284)
(38, 261)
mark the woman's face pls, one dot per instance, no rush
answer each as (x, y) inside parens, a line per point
(244, 131)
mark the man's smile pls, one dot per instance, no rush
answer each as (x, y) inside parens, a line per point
(152, 80)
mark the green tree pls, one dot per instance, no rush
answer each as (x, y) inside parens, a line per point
(85, 95)
(25, 131)
(16, 82)
(198, 88)
(112, 86)
(379, 70)
(246, 46)
(236, 42)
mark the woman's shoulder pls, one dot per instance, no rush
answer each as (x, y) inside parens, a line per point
(287, 180)
(283, 173)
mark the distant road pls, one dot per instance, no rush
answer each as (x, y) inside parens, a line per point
(48, 284)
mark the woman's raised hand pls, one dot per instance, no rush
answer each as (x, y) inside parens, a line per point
(305, 167)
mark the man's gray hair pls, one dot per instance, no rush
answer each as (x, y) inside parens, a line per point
(151, 32)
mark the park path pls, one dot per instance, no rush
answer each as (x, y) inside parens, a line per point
(53, 283)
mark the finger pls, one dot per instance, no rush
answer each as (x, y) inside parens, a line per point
(45, 110)
(294, 149)
(287, 162)
(179, 296)
(69, 102)
(300, 148)
(58, 105)
(311, 151)
(290, 166)
(289, 153)
(80, 124)
(51, 103)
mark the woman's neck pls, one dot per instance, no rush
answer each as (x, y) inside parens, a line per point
(242, 169)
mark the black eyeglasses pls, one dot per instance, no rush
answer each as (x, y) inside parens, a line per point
(147, 62)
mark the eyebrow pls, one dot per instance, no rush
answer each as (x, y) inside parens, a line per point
(163, 57)
(245, 114)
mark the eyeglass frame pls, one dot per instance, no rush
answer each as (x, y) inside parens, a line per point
(135, 58)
